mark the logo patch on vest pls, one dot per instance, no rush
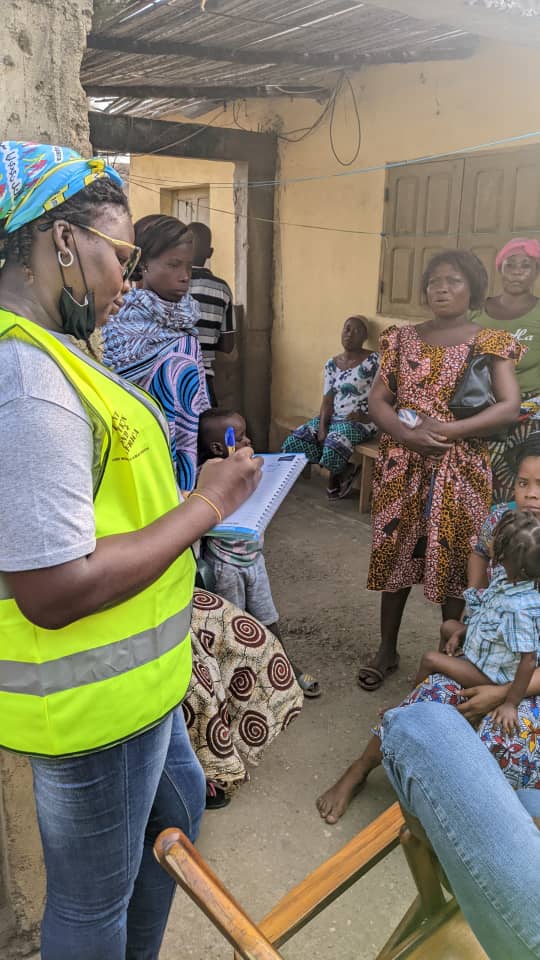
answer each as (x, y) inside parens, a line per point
(127, 435)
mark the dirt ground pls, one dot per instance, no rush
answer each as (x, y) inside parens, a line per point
(271, 835)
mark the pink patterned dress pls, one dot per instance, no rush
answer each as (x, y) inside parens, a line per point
(408, 546)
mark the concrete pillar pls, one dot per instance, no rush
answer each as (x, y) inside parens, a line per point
(43, 42)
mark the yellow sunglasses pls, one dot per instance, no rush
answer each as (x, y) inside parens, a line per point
(134, 257)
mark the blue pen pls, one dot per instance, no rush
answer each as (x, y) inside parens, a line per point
(230, 441)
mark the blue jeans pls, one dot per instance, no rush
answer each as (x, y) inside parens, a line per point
(482, 834)
(107, 898)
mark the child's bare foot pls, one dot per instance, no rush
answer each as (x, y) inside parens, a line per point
(334, 802)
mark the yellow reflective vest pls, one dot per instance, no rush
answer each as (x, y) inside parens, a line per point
(115, 673)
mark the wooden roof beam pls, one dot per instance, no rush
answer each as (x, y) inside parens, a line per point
(121, 133)
(170, 48)
(199, 92)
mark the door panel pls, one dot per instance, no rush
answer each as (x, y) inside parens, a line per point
(422, 218)
(501, 199)
(476, 202)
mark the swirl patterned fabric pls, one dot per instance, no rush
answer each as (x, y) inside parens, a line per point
(242, 692)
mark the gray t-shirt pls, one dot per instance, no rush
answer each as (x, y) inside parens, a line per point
(46, 456)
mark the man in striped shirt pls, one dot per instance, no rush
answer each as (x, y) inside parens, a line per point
(216, 326)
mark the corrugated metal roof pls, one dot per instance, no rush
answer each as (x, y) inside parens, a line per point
(311, 26)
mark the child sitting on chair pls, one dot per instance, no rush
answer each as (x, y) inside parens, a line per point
(238, 565)
(343, 421)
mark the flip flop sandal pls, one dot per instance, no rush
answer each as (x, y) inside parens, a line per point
(332, 493)
(309, 685)
(346, 487)
(378, 676)
(216, 798)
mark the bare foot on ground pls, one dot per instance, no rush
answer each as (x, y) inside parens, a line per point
(334, 802)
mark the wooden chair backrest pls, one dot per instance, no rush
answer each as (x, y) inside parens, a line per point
(184, 863)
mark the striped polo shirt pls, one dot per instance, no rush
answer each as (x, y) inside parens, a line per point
(217, 316)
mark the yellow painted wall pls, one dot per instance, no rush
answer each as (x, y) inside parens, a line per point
(153, 178)
(406, 111)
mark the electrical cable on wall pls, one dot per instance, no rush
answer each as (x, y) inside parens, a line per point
(380, 235)
(344, 79)
(375, 168)
(329, 109)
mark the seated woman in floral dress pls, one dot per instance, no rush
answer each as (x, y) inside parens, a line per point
(343, 421)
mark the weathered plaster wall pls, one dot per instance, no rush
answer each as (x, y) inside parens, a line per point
(43, 42)
(22, 879)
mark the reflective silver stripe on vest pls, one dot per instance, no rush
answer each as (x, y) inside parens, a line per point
(92, 666)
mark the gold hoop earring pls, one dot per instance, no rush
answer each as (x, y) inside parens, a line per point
(70, 261)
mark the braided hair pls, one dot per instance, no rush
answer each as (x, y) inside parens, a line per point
(81, 208)
(516, 545)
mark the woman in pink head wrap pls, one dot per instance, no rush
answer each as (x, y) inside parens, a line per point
(516, 310)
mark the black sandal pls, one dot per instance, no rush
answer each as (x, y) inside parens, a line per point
(216, 798)
(368, 672)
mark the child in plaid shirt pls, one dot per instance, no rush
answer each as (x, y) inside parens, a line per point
(502, 640)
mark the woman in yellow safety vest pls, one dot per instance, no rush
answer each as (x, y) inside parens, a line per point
(97, 574)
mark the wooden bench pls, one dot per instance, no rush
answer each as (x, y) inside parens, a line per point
(364, 456)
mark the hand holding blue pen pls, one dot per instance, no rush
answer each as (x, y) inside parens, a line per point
(230, 441)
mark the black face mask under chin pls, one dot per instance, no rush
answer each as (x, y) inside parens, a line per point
(78, 319)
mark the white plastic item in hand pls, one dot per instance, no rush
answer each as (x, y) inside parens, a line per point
(409, 417)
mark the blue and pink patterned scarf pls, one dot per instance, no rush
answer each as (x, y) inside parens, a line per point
(35, 177)
(145, 328)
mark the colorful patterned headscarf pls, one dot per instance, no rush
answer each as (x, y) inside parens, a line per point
(531, 248)
(35, 177)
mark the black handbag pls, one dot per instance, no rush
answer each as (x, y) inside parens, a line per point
(474, 391)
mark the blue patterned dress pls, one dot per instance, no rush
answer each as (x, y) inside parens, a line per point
(349, 390)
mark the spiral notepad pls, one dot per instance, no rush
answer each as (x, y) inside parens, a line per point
(279, 473)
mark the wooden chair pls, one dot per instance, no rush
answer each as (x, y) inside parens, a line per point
(432, 929)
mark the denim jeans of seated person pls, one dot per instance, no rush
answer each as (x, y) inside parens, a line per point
(107, 898)
(478, 826)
